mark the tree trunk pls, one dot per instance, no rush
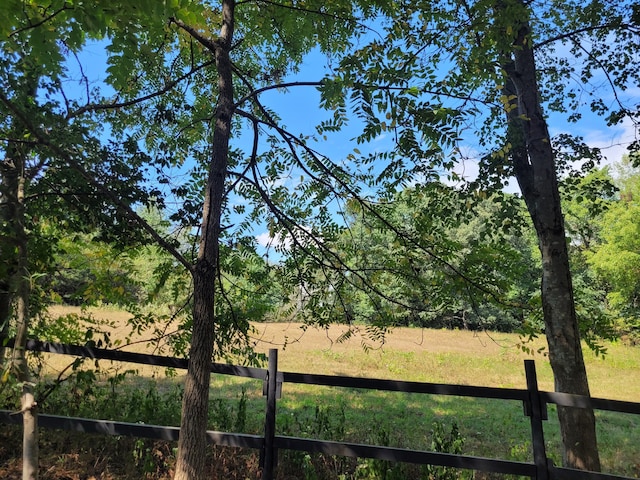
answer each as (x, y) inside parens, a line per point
(19, 286)
(192, 444)
(534, 166)
(27, 401)
(5, 317)
(7, 258)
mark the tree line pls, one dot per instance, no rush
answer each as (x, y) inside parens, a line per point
(476, 269)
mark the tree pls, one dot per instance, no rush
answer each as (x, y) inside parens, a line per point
(165, 67)
(38, 183)
(585, 199)
(495, 68)
(616, 259)
(182, 84)
(165, 75)
(534, 167)
(18, 286)
(434, 256)
(207, 268)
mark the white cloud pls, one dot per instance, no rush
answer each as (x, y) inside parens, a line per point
(613, 142)
(277, 241)
(267, 241)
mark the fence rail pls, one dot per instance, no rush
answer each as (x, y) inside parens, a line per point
(534, 402)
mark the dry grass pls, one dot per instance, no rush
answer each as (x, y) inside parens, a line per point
(442, 356)
(461, 357)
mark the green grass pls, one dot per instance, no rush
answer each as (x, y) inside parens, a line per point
(490, 428)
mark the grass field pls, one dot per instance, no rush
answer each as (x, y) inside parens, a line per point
(489, 428)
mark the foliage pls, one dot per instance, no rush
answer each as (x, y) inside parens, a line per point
(167, 130)
(616, 259)
(49, 156)
(483, 79)
(89, 272)
(437, 94)
(89, 157)
(429, 257)
(446, 442)
(585, 201)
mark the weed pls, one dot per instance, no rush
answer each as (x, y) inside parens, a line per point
(308, 469)
(142, 456)
(314, 422)
(445, 442)
(241, 414)
(520, 452)
(373, 469)
(224, 417)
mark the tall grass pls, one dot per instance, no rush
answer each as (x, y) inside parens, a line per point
(489, 428)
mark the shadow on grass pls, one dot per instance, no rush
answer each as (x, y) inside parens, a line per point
(486, 428)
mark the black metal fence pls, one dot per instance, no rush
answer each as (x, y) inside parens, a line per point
(269, 443)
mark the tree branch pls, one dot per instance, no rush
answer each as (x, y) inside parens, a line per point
(211, 45)
(591, 28)
(291, 140)
(255, 93)
(68, 157)
(41, 22)
(614, 90)
(157, 93)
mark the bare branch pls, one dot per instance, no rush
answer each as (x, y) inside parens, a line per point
(590, 28)
(162, 91)
(604, 70)
(255, 93)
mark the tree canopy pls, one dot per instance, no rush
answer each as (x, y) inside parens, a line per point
(368, 235)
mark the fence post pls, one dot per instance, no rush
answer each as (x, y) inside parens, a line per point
(269, 451)
(537, 412)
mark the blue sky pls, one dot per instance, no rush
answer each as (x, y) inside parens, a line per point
(299, 110)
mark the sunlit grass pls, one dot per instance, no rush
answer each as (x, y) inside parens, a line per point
(491, 428)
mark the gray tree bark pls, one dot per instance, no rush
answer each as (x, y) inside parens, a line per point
(192, 444)
(18, 292)
(28, 404)
(535, 170)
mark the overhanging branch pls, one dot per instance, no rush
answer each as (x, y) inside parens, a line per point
(66, 155)
(113, 105)
(590, 28)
